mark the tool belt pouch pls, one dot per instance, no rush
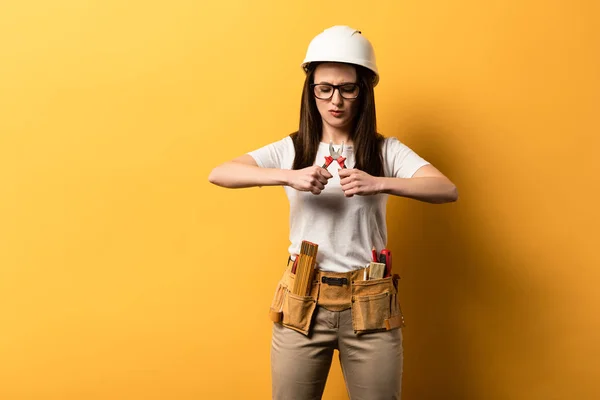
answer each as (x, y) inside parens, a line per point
(291, 310)
(375, 305)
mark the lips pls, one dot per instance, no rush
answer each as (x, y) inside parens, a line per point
(336, 113)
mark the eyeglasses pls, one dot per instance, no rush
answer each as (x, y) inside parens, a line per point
(324, 91)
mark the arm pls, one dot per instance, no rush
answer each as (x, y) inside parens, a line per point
(244, 172)
(427, 184)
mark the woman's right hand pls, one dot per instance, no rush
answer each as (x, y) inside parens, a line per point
(311, 179)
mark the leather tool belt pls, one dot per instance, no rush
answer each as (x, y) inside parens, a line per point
(374, 303)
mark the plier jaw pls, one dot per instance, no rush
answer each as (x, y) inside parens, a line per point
(335, 155)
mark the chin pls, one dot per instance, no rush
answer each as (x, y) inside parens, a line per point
(338, 124)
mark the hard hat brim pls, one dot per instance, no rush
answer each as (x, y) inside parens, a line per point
(364, 64)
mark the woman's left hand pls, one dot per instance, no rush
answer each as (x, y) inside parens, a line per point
(355, 181)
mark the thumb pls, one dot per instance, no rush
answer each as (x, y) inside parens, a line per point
(325, 173)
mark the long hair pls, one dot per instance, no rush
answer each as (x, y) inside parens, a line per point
(367, 143)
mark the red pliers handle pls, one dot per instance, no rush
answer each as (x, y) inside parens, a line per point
(340, 161)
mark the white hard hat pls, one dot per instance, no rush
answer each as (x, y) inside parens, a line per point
(342, 44)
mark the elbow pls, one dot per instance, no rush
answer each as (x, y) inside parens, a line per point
(450, 196)
(226, 176)
(453, 196)
(214, 177)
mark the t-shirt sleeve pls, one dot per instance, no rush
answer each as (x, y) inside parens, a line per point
(275, 155)
(401, 161)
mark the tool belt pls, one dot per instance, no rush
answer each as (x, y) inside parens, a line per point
(374, 303)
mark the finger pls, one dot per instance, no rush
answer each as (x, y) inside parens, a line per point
(325, 174)
(321, 179)
(315, 190)
(349, 179)
(314, 182)
(345, 181)
(350, 186)
(351, 191)
(345, 172)
(321, 174)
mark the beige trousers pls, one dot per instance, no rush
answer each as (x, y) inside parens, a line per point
(371, 363)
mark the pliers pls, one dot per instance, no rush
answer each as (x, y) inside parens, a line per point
(335, 155)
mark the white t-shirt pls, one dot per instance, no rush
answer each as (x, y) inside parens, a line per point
(345, 229)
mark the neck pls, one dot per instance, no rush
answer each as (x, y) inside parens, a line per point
(337, 135)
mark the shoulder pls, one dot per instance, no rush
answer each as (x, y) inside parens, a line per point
(286, 145)
(391, 145)
(396, 155)
(285, 149)
(391, 141)
(288, 140)
(283, 144)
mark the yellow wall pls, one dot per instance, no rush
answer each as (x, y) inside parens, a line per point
(125, 275)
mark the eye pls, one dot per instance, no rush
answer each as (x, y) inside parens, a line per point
(323, 88)
(349, 88)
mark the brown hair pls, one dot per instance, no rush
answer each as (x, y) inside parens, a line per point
(367, 142)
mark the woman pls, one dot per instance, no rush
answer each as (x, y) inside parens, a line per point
(340, 206)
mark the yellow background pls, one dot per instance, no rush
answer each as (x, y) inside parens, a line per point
(125, 275)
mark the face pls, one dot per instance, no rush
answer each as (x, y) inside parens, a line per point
(338, 111)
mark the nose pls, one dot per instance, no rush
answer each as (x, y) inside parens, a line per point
(337, 98)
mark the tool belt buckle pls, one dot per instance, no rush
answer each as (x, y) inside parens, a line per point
(334, 281)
